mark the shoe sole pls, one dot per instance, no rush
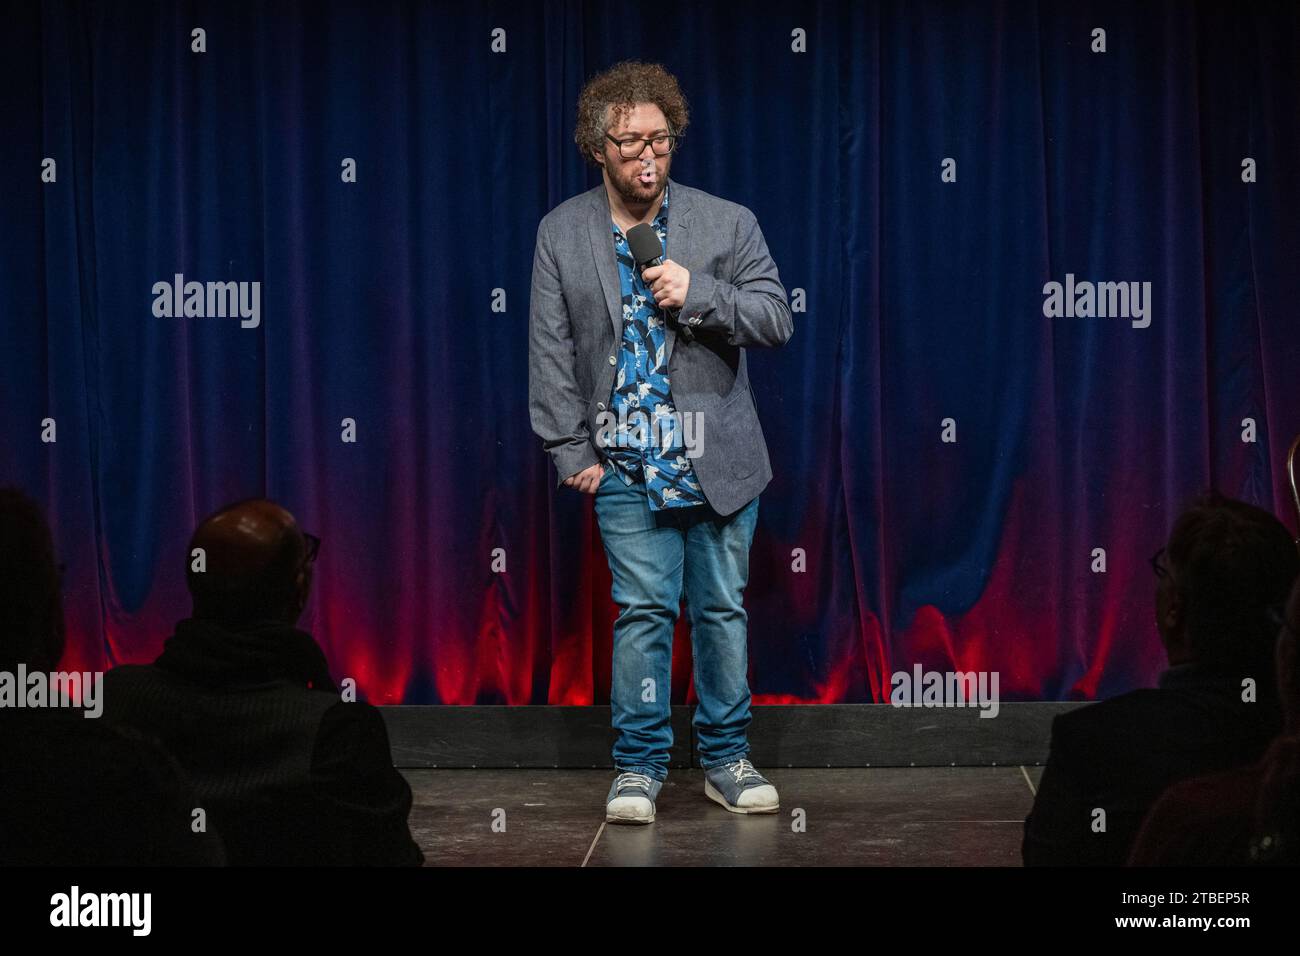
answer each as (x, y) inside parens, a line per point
(611, 818)
(713, 794)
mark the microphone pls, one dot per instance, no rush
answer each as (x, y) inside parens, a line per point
(643, 242)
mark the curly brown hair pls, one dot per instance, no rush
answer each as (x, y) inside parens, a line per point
(609, 96)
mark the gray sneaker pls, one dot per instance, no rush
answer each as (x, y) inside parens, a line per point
(740, 788)
(632, 798)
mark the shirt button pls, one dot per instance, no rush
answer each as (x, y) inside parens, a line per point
(611, 360)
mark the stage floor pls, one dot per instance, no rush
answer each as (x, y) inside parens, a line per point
(930, 816)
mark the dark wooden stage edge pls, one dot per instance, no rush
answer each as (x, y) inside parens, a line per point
(827, 735)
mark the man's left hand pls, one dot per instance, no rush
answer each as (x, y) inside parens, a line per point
(668, 284)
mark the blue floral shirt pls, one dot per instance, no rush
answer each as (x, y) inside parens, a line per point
(640, 395)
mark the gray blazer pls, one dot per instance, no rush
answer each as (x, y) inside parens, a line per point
(575, 325)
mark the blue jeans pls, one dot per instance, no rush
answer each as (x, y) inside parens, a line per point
(652, 554)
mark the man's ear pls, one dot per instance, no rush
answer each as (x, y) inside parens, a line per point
(302, 587)
(1174, 610)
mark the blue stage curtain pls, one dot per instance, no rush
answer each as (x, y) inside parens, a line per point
(917, 301)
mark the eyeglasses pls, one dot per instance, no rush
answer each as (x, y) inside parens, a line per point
(632, 148)
(313, 546)
(1160, 570)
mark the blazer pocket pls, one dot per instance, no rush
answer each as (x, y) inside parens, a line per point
(745, 456)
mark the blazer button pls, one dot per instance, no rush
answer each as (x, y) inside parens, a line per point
(600, 406)
(612, 360)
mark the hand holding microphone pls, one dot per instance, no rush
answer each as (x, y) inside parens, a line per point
(668, 281)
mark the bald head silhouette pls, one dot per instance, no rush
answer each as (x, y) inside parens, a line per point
(256, 565)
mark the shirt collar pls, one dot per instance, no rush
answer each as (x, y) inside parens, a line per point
(663, 209)
(661, 220)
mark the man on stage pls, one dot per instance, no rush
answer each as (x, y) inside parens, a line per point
(639, 389)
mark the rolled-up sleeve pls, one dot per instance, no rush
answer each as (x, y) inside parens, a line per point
(751, 310)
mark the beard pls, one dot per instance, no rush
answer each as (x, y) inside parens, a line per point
(627, 182)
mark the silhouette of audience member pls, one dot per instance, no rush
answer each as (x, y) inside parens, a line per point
(73, 790)
(289, 773)
(1246, 816)
(1226, 564)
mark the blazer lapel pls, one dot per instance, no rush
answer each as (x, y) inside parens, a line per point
(600, 226)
